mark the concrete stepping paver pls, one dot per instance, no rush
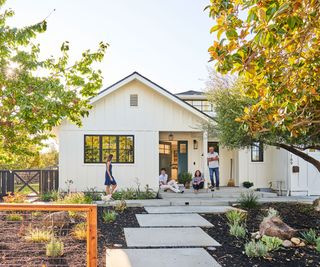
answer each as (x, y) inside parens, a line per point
(189, 209)
(172, 220)
(168, 237)
(177, 257)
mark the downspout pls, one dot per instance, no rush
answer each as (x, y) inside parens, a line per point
(288, 172)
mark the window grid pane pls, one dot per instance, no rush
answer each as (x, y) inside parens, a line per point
(98, 147)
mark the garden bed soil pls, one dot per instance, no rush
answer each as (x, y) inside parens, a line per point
(299, 216)
(16, 251)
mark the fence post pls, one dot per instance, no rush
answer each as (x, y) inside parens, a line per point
(92, 237)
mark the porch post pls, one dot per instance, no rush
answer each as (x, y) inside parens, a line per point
(204, 159)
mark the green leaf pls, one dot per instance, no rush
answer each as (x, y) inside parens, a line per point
(232, 34)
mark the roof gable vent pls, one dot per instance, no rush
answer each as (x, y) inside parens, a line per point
(133, 100)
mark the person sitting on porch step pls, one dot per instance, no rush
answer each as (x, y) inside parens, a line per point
(197, 181)
(165, 185)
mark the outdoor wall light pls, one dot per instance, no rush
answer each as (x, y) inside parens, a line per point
(195, 144)
(170, 136)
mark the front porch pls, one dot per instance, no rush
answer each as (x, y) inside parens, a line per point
(187, 152)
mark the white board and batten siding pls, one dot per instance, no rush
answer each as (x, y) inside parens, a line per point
(113, 115)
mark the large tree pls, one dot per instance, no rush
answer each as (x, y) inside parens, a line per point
(35, 93)
(274, 46)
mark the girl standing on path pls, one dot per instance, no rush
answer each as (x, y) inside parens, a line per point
(109, 179)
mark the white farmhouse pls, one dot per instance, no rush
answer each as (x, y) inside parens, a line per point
(146, 128)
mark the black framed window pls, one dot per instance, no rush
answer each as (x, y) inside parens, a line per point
(98, 147)
(257, 152)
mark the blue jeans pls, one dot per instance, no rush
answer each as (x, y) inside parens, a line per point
(214, 171)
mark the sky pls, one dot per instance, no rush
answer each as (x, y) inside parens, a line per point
(165, 40)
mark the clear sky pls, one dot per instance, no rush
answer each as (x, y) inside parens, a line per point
(165, 40)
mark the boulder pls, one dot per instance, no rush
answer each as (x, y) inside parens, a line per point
(316, 204)
(274, 226)
(57, 219)
(287, 244)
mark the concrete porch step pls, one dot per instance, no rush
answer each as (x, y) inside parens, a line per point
(212, 194)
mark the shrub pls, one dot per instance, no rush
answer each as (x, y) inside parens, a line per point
(49, 196)
(237, 230)
(272, 213)
(120, 206)
(318, 245)
(54, 248)
(248, 200)
(256, 249)
(247, 184)
(109, 216)
(236, 216)
(38, 235)
(93, 194)
(131, 193)
(310, 236)
(14, 198)
(272, 242)
(14, 217)
(184, 177)
(36, 214)
(75, 198)
(80, 231)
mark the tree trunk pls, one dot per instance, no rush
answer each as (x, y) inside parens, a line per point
(300, 154)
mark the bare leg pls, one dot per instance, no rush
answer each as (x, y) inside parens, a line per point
(108, 189)
(113, 188)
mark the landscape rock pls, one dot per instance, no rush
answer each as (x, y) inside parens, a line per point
(316, 204)
(57, 219)
(296, 241)
(302, 244)
(274, 226)
(253, 235)
(287, 243)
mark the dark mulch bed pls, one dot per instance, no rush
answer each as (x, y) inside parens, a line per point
(231, 253)
(111, 234)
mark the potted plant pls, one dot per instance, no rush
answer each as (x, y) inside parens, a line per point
(247, 184)
(185, 178)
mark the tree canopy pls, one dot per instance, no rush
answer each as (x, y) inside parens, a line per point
(37, 94)
(274, 46)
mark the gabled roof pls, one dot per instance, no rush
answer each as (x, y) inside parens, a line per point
(191, 92)
(137, 76)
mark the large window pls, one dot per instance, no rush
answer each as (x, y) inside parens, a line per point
(202, 105)
(98, 147)
(257, 152)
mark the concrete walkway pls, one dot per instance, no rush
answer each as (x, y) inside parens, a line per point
(168, 237)
(165, 257)
(172, 220)
(188, 209)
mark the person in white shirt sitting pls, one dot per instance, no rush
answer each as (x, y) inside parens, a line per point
(165, 184)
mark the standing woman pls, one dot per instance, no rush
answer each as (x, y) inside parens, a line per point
(110, 181)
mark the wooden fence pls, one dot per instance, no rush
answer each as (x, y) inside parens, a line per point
(91, 212)
(46, 180)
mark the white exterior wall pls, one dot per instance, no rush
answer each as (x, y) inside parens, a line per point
(113, 115)
(277, 168)
(260, 173)
(307, 180)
